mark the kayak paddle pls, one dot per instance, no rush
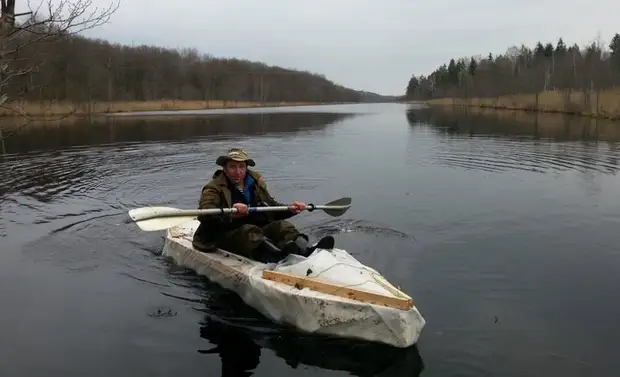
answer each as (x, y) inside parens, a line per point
(159, 218)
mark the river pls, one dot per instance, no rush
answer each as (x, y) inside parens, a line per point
(503, 229)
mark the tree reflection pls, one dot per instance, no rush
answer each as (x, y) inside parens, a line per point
(493, 140)
(116, 130)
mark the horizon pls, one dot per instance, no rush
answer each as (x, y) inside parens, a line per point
(385, 43)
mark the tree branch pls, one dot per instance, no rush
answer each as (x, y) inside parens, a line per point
(47, 23)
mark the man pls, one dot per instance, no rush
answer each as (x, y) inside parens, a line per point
(245, 233)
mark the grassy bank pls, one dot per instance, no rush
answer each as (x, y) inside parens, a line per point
(603, 104)
(43, 109)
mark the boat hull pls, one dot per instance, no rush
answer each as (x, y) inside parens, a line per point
(306, 309)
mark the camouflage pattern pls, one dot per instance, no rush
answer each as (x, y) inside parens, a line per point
(226, 232)
(235, 154)
(246, 239)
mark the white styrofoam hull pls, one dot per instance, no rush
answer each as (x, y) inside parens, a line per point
(307, 310)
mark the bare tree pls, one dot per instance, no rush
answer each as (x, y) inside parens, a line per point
(46, 63)
(23, 37)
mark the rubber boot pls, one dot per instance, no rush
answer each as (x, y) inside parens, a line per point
(325, 243)
(269, 253)
(298, 246)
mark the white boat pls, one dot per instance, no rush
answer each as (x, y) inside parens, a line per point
(328, 293)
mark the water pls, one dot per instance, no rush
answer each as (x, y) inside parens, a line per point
(502, 229)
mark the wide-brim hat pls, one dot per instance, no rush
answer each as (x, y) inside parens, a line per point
(235, 154)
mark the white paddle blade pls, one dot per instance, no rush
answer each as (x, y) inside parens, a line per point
(138, 214)
(162, 223)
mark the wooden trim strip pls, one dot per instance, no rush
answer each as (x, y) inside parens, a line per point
(338, 290)
(387, 285)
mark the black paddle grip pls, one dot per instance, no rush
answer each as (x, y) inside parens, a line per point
(310, 207)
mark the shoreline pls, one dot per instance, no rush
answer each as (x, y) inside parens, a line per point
(602, 104)
(470, 121)
(66, 108)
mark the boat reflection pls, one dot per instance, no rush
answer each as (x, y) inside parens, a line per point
(239, 348)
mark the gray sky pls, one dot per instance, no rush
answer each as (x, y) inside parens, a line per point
(367, 45)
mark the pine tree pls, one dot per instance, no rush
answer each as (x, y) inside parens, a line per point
(560, 48)
(614, 46)
(472, 67)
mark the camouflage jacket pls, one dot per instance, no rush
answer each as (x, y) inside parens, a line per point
(217, 194)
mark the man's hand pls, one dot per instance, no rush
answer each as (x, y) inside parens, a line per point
(242, 210)
(297, 207)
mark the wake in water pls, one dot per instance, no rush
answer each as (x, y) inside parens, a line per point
(335, 226)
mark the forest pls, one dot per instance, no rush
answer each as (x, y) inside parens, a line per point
(522, 70)
(48, 60)
(78, 69)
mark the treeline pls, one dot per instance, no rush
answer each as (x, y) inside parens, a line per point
(523, 70)
(79, 69)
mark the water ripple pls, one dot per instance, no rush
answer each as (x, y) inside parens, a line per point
(497, 155)
(502, 141)
(328, 227)
(71, 261)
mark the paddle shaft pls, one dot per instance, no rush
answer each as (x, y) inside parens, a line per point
(215, 211)
(158, 218)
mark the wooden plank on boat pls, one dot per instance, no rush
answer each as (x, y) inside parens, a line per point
(338, 290)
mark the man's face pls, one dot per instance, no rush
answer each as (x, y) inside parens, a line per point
(235, 170)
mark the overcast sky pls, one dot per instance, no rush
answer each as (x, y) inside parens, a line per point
(362, 44)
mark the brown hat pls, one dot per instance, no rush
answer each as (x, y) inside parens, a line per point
(236, 154)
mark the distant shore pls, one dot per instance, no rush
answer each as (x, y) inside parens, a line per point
(55, 109)
(603, 104)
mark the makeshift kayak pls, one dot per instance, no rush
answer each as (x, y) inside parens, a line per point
(329, 292)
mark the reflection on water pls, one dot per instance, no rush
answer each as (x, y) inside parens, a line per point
(508, 140)
(239, 349)
(50, 173)
(238, 353)
(116, 130)
(458, 121)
